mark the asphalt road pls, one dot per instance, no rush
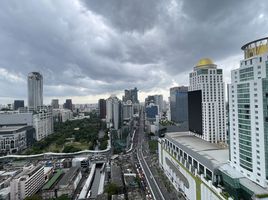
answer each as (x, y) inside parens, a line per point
(157, 194)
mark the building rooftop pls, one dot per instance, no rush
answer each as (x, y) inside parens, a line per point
(209, 154)
(68, 176)
(53, 180)
(4, 129)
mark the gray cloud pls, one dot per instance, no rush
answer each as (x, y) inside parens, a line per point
(97, 47)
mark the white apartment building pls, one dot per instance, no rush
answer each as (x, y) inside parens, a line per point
(27, 183)
(248, 113)
(43, 123)
(112, 112)
(209, 80)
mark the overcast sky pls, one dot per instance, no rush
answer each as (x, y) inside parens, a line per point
(93, 48)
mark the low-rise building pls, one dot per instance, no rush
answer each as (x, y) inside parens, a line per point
(69, 182)
(28, 182)
(14, 139)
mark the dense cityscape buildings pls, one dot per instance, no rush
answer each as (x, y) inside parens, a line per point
(127, 100)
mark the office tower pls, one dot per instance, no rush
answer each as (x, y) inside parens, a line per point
(55, 104)
(206, 102)
(127, 110)
(132, 95)
(68, 104)
(156, 99)
(113, 112)
(151, 111)
(248, 113)
(179, 105)
(18, 104)
(35, 90)
(102, 108)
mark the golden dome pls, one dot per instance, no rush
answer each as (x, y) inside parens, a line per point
(204, 61)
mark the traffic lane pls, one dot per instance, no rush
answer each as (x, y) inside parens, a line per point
(149, 177)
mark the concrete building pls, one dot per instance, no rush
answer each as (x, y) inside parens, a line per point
(18, 104)
(131, 95)
(113, 112)
(69, 182)
(62, 115)
(206, 103)
(102, 108)
(43, 123)
(35, 90)
(201, 170)
(248, 113)
(127, 110)
(179, 105)
(55, 104)
(27, 183)
(14, 139)
(16, 118)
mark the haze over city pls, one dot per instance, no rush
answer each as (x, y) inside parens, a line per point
(90, 49)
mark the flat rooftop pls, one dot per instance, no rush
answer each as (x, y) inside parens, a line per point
(10, 128)
(209, 154)
(68, 176)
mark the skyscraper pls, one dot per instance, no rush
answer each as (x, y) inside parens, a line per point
(206, 102)
(179, 105)
(113, 112)
(132, 95)
(35, 90)
(55, 103)
(68, 104)
(248, 113)
(18, 104)
(102, 108)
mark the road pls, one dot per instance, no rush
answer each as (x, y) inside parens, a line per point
(155, 190)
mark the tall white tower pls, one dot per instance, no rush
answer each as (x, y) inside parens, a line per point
(112, 112)
(248, 113)
(35, 90)
(207, 80)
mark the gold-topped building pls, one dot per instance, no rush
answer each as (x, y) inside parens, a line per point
(255, 48)
(206, 96)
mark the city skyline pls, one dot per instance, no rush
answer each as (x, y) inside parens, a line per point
(90, 52)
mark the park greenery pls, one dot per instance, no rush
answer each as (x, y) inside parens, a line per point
(72, 136)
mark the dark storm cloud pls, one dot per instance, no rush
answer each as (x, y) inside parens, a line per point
(92, 47)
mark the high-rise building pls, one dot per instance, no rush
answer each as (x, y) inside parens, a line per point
(127, 110)
(179, 105)
(35, 90)
(151, 111)
(156, 99)
(102, 108)
(248, 113)
(132, 95)
(55, 104)
(113, 112)
(18, 104)
(68, 104)
(206, 102)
